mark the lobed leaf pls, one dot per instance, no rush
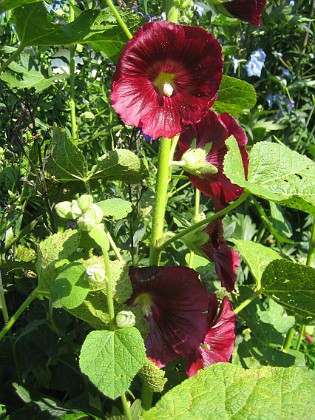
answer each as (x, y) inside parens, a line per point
(226, 391)
(111, 359)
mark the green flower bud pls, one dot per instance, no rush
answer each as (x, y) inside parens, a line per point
(194, 240)
(75, 210)
(88, 116)
(85, 202)
(194, 162)
(63, 209)
(125, 319)
(96, 273)
(86, 222)
(97, 213)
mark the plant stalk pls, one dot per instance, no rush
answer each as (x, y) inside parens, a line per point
(109, 290)
(126, 407)
(12, 58)
(122, 24)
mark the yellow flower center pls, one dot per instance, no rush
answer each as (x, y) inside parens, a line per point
(145, 302)
(165, 83)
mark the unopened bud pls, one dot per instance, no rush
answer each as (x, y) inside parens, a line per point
(97, 213)
(194, 162)
(125, 319)
(63, 209)
(96, 273)
(86, 222)
(85, 202)
(75, 210)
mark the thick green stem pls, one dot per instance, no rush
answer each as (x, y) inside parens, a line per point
(12, 58)
(118, 18)
(311, 250)
(109, 289)
(301, 336)
(3, 302)
(18, 313)
(146, 397)
(160, 199)
(205, 221)
(126, 407)
(74, 128)
(288, 339)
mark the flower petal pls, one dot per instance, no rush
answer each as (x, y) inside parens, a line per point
(177, 321)
(195, 67)
(247, 10)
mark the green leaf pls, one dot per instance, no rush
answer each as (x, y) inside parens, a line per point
(257, 256)
(70, 287)
(119, 165)
(225, 391)
(111, 359)
(6, 5)
(275, 173)
(99, 236)
(115, 207)
(66, 161)
(98, 27)
(292, 286)
(234, 96)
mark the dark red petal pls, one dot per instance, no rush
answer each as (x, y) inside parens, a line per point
(225, 259)
(177, 320)
(220, 337)
(248, 10)
(196, 63)
(215, 129)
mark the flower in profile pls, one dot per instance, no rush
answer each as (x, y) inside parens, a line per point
(167, 78)
(218, 343)
(247, 10)
(208, 138)
(210, 243)
(173, 301)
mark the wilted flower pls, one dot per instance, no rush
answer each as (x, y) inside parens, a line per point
(247, 10)
(209, 242)
(218, 343)
(173, 301)
(210, 134)
(167, 77)
(256, 63)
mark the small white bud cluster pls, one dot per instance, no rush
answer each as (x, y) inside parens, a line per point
(125, 319)
(96, 273)
(87, 214)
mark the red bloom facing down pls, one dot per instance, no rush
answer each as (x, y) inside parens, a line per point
(248, 10)
(218, 344)
(210, 243)
(167, 77)
(173, 301)
(208, 136)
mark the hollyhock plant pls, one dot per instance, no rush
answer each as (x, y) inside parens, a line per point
(247, 10)
(203, 146)
(167, 77)
(174, 302)
(210, 243)
(218, 343)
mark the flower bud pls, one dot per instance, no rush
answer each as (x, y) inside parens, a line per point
(96, 273)
(85, 202)
(125, 319)
(63, 209)
(75, 210)
(97, 213)
(194, 240)
(86, 222)
(194, 162)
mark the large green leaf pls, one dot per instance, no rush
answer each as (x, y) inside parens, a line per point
(120, 164)
(111, 359)
(225, 391)
(6, 5)
(66, 161)
(115, 207)
(234, 96)
(98, 27)
(257, 256)
(275, 173)
(293, 286)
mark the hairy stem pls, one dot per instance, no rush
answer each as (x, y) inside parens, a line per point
(126, 407)
(118, 18)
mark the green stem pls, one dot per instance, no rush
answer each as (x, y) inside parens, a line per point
(126, 407)
(205, 221)
(146, 397)
(74, 128)
(118, 18)
(246, 302)
(114, 247)
(288, 339)
(18, 313)
(109, 290)
(311, 250)
(12, 58)
(197, 209)
(301, 335)
(3, 302)
(160, 200)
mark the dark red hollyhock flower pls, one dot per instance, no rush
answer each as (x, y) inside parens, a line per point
(248, 10)
(173, 301)
(167, 77)
(209, 135)
(210, 243)
(219, 341)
